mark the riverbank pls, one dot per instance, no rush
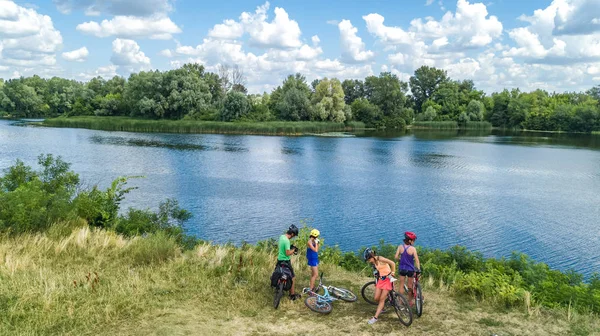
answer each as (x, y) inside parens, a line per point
(192, 126)
(74, 263)
(92, 281)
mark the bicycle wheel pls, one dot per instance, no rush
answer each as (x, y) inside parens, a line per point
(313, 303)
(278, 294)
(368, 292)
(343, 294)
(402, 309)
(419, 300)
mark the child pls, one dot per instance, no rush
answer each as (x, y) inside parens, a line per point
(386, 268)
(407, 254)
(313, 256)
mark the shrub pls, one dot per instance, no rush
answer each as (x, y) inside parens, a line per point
(154, 248)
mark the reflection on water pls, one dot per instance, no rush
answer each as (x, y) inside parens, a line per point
(169, 142)
(494, 192)
(526, 138)
(137, 142)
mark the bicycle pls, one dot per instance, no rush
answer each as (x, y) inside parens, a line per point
(417, 293)
(283, 283)
(322, 303)
(394, 299)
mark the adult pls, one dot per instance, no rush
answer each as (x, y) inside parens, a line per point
(286, 250)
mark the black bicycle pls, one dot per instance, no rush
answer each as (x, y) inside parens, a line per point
(283, 283)
(395, 300)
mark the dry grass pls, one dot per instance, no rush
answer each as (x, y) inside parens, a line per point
(88, 283)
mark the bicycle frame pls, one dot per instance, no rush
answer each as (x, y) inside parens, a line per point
(415, 281)
(321, 299)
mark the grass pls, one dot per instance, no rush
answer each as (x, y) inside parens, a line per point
(73, 280)
(452, 125)
(192, 126)
(441, 125)
(477, 125)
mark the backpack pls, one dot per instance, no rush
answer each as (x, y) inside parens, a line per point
(278, 273)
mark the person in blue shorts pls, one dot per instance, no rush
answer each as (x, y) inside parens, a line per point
(312, 254)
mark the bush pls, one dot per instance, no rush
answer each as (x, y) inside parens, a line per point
(36, 200)
(154, 248)
(33, 200)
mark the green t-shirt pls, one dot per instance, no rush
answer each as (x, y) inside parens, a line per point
(284, 245)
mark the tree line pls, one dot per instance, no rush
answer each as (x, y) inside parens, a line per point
(383, 101)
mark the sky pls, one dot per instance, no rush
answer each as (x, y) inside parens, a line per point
(530, 44)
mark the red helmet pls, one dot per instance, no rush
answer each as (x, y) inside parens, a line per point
(410, 235)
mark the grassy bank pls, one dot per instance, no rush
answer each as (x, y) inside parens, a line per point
(192, 126)
(452, 125)
(75, 263)
(92, 281)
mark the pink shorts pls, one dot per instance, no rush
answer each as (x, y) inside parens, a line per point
(384, 284)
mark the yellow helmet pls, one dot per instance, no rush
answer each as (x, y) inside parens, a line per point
(314, 233)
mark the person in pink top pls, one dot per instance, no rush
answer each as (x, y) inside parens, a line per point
(386, 269)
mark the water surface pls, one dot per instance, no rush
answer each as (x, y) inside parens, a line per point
(495, 193)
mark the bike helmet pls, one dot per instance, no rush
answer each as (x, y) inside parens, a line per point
(293, 230)
(368, 254)
(314, 233)
(410, 235)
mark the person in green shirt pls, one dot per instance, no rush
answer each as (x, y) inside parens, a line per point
(285, 251)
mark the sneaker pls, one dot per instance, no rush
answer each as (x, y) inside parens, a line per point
(293, 297)
(372, 320)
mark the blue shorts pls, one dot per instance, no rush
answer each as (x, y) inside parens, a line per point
(313, 262)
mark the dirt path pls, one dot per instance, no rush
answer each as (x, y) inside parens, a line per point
(442, 316)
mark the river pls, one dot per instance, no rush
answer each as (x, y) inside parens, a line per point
(495, 193)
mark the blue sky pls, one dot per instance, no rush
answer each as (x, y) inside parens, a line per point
(554, 45)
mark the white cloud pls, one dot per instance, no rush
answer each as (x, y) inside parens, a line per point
(155, 27)
(108, 71)
(166, 53)
(390, 35)
(28, 40)
(315, 40)
(79, 55)
(555, 36)
(353, 48)
(128, 57)
(577, 17)
(282, 32)
(115, 7)
(229, 29)
(468, 27)
(429, 2)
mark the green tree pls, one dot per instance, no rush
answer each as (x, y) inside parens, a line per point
(475, 110)
(236, 105)
(294, 105)
(499, 114)
(387, 92)
(364, 111)
(425, 83)
(328, 99)
(353, 90)
(429, 115)
(447, 96)
(290, 101)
